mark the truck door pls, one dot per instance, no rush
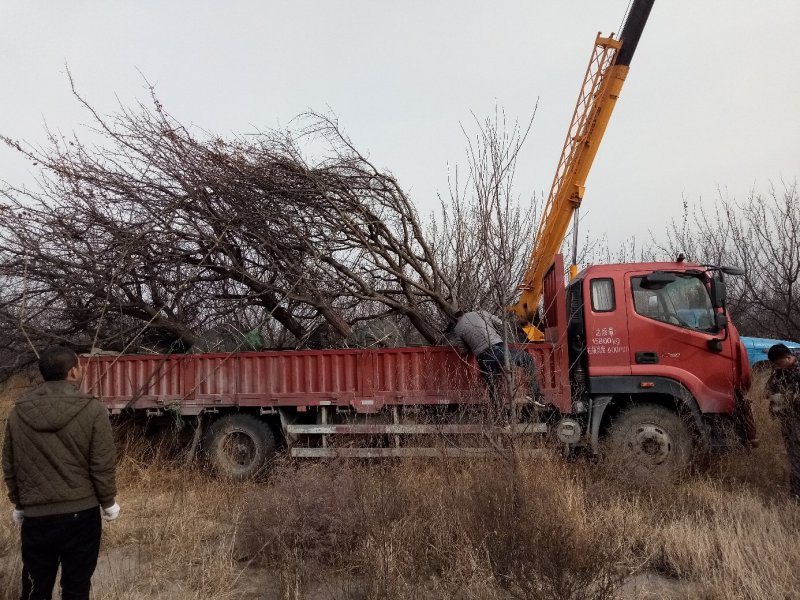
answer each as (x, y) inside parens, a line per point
(670, 324)
(606, 326)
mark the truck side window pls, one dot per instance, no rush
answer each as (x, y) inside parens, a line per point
(684, 302)
(602, 295)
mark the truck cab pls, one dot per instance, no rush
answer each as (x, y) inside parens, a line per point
(655, 363)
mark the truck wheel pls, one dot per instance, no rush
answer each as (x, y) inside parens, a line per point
(238, 446)
(650, 442)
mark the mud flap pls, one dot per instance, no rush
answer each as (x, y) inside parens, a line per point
(745, 422)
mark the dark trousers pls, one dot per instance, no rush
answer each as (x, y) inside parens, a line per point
(791, 437)
(492, 363)
(71, 539)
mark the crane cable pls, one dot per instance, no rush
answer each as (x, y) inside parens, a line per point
(625, 16)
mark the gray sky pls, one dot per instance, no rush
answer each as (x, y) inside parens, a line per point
(710, 101)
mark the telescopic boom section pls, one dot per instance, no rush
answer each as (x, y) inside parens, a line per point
(602, 83)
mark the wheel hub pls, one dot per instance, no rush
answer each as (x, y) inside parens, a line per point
(240, 448)
(652, 442)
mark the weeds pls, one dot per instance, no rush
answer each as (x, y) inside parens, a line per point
(493, 529)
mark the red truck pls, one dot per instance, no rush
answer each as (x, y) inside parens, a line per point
(640, 355)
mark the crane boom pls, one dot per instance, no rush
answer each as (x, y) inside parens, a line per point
(607, 70)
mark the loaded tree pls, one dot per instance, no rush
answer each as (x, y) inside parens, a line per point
(158, 232)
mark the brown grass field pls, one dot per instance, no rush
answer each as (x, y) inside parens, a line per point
(484, 529)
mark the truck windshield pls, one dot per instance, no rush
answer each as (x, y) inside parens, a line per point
(684, 302)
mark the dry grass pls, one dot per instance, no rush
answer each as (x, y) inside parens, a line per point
(488, 529)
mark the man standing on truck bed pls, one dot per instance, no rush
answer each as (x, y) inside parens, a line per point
(59, 466)
(478, 331)
(783, 388)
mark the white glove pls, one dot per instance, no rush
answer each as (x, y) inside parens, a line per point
(17, 516)
(776, 404)
(111, 513)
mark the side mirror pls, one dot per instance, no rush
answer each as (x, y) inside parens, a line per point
(732, 271)
(718, 293)
(721, 320)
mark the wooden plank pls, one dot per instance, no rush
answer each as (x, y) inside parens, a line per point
(407, 452)
(414, 429)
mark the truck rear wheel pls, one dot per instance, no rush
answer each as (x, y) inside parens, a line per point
(649, 442)
(238, 446)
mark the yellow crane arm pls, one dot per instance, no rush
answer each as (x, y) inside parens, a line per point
(602, 83)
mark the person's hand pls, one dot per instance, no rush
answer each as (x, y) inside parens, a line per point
(111, 513)
(17, 516)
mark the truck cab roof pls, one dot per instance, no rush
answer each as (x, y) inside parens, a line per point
(639, 266)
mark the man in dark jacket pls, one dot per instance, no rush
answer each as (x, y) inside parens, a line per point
(783, 388)
(59, 466)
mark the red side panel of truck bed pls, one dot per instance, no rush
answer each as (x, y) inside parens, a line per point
(554, 309)
(365, 380)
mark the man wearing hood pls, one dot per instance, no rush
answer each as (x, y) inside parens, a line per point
(783, 388)
(59, 466)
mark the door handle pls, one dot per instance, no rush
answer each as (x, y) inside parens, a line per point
(646, 358)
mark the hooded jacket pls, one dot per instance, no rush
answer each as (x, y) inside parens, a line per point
(786, 382)
(58, 451)
(478, 331)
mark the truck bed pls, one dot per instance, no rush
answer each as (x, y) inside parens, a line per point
(363, 380)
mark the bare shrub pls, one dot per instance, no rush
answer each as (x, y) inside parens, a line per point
(307, 513)
(491, 529)
(417, 529)
(484, 236)
(178, 529)
(763, 470)
(541, 534)
(738, 546)
(10, 564)
(758, 234)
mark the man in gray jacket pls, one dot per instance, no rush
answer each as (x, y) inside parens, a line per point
(59, 467)
(479, 332)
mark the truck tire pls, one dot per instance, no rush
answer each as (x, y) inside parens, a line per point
(649, 441)
(238, 446)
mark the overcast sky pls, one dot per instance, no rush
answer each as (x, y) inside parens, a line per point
(711, 99)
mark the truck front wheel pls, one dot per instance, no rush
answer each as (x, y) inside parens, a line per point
(650, 441)
(238, 446)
